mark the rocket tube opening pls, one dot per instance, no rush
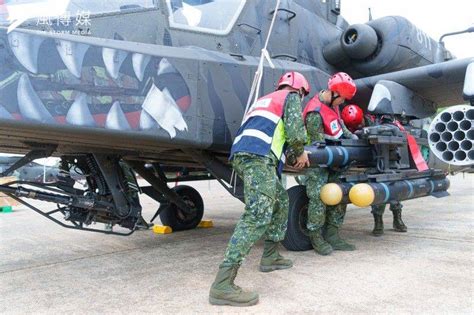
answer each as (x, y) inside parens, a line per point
(435, 137)
(459, 135)
(465, 125)
(470, 114)
(440, 127)
(470, 155)
(470, 134)
(458, 115)
(448, 156)
(445, 117)
(466, 145)
(441, 146)
(447, 136)
(453, 146)
(460, 155)
(453, 126)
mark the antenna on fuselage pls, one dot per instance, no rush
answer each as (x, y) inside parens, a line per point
(370, 14)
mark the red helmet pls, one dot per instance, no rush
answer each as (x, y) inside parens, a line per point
(296, 80)
(353, 117)
(342, 84)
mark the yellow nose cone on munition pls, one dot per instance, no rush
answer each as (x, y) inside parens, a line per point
(331, 194)
(362, 195)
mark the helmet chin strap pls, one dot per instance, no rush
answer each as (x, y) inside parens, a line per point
(333, 98)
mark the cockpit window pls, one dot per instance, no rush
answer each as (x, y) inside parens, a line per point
(210, 16)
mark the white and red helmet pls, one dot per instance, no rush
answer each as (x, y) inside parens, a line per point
(296, 80)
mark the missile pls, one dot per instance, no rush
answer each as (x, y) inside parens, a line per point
(333, 194)
(338, 155)
(367, 194)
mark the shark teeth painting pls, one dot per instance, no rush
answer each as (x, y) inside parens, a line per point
(79, 113)
(147, 122)
(116, 118)
(165, 67)
(140, 63)
(113, 60)
(26, 48)
(30, 105)
(72, 55)
(164, 110)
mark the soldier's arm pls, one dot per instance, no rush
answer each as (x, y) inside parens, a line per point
(346, 132)
(315, 128)
(294, 126)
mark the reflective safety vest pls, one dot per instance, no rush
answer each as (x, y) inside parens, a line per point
(331, 120)
(263, 130)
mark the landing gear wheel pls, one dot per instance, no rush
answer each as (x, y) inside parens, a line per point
(178, 219)
(296, 238)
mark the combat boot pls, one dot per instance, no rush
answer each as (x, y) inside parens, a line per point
(225, 292)
(398, 224)
(271, 258)
(320, 246)
(337, 243)
(378, 225)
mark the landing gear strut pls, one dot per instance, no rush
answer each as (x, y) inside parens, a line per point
(110, 195)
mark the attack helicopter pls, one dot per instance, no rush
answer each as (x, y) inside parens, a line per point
(115, 88)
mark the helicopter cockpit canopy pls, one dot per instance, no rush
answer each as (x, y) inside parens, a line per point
(209, 16)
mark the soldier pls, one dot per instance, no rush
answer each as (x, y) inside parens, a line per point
(322, 120)
(272, 123)
(354, 119)
(378, 211)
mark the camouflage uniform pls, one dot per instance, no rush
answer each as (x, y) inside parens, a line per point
(380, 209)
(316, 178)
(266, 200)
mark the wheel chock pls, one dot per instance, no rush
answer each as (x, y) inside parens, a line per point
(206, 224)
(6, 209)
(162, 229)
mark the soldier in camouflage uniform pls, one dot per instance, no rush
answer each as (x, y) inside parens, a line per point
(354, 118)
(323, 123)
(272, 123)
(378, 210)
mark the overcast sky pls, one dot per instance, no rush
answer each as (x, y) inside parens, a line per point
(434, 17)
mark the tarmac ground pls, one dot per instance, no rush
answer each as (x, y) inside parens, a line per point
(45, 268)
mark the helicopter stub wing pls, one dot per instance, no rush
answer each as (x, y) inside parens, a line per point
(442, 83)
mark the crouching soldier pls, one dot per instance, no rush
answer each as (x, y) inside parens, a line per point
(354, 118)
(323, 122)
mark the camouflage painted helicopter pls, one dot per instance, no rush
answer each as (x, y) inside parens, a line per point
(160, 86)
